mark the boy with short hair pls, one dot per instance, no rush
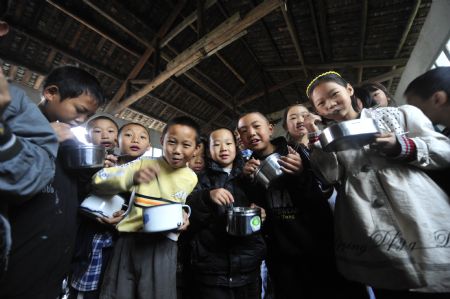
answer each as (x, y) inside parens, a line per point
(144, 265)
(102, 130)
(44, 228)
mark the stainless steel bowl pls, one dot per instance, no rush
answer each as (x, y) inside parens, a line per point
(243, 221)
(350, 134)
(82, 156)
(269, 170)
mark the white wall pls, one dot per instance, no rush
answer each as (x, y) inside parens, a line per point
(433, 36)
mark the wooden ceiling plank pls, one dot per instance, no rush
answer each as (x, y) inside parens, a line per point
(85, 23)
(253, 16)
(294, 36)
(66, 52)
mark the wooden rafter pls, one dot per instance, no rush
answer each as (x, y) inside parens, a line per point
(270, 90)
(294, 36)
(405, 33)
(66, 52)
(183, 25)
(364, 9)
(322, 10)
(208, 44)
(316, 29)
(340, 64)
(200, 18)
(386, 76)
(275, 47)
(148, 52)
(85, 23)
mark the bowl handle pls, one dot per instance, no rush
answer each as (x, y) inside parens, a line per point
(188, 208)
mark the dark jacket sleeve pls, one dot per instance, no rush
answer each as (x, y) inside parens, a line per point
(28, 159)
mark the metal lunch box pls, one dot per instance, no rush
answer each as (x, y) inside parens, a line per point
(351, 134)
(243, 221)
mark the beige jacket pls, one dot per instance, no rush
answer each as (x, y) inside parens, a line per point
(392, 221)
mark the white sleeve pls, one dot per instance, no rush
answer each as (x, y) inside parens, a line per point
(433, 148)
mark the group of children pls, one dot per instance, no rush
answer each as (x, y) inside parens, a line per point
(389, 228)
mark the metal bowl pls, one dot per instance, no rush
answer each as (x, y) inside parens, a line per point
(243, 221)
(351, 134)
(82, 156)
(269, 170)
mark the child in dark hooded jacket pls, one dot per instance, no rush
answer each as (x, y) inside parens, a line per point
(223, 266)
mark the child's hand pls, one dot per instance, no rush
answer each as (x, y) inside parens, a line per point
(310, 122)
(110, 161)
(116, 218)
(185, 224)
(251, 166)
(292, 163)
(263, 211)
(146, 174)
(62, 131)
(387, 143)
(5, 97)
(221, 196)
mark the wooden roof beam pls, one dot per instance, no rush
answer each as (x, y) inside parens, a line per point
(294, 35)
(339, 64)
(148, 52)
(207, 44)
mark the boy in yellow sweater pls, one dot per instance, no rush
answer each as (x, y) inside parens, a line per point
(144, 265)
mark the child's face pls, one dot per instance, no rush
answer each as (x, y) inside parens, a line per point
(73, 111)
(103, 132)
(197, 162)
(255, 132)
(333, 101)
(179, 144)
(134, 141)
(222, 147)
(294, 121)
(380, 97)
